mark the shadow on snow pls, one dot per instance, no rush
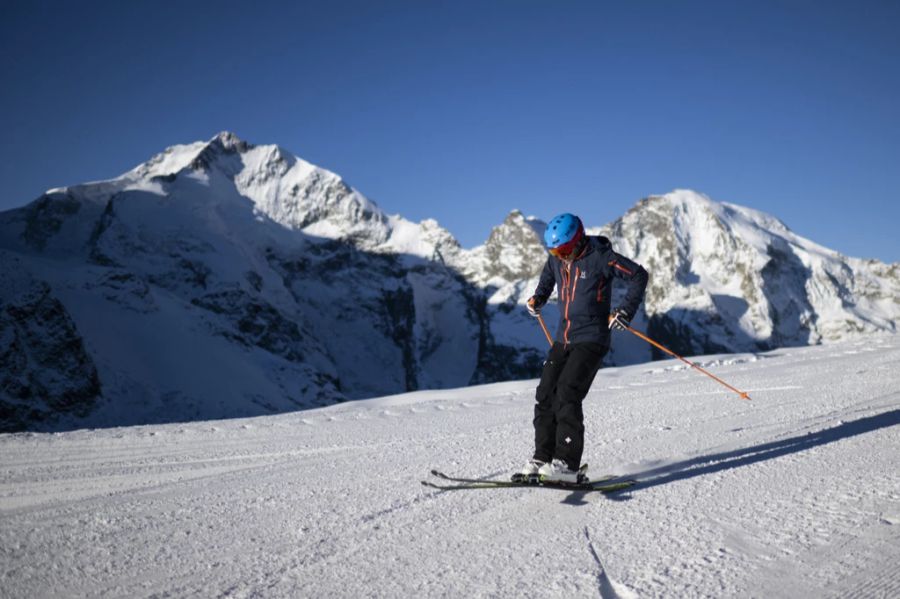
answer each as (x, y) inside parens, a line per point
(728, 460)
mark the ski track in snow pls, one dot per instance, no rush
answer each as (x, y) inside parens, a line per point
(794, 494)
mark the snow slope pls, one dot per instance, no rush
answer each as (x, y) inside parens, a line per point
(795, 494)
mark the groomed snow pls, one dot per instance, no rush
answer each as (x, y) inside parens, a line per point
(795, 494)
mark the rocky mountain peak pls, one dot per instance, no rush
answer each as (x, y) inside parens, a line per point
(230, 142)
(512, 252)
(517, 231)
(224, 149)
(287, 189)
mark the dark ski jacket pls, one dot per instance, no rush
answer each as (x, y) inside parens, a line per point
(585, 289)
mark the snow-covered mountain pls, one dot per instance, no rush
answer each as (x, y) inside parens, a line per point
(729, 278)
(224, 279)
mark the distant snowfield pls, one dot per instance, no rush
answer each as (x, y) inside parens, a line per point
(795, 494)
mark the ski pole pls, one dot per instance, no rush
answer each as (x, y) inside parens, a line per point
(546, 332)
(743, 394)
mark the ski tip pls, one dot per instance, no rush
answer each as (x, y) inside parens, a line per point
(609, 488)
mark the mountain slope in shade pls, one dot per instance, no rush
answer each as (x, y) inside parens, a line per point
(224, 279)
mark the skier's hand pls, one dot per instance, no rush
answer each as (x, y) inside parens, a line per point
(619, 319)
(534, 305)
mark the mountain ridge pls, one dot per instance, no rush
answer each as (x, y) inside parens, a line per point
(225, 256)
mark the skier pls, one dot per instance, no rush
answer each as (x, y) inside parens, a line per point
(582, 268)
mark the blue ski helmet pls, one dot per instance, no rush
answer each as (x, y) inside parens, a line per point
(563, 229)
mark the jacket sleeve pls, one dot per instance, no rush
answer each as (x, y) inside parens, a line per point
(547, 282)
(636, 278)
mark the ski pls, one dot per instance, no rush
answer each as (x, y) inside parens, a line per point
(533, 480)
(605, 484)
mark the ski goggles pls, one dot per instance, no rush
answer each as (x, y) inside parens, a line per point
(565, 250)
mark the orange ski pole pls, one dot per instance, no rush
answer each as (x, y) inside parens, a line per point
(743, 394)
(546, 332)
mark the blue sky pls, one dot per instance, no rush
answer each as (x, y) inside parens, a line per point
(462, 111)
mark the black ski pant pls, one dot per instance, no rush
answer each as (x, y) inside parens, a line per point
(558, 417)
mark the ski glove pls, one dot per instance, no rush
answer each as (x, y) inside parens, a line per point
(619, 319)
(534, 305)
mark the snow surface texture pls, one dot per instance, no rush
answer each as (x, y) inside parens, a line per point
(793, 494)
(224, 279)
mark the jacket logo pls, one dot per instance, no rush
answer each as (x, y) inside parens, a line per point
(583, 274)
